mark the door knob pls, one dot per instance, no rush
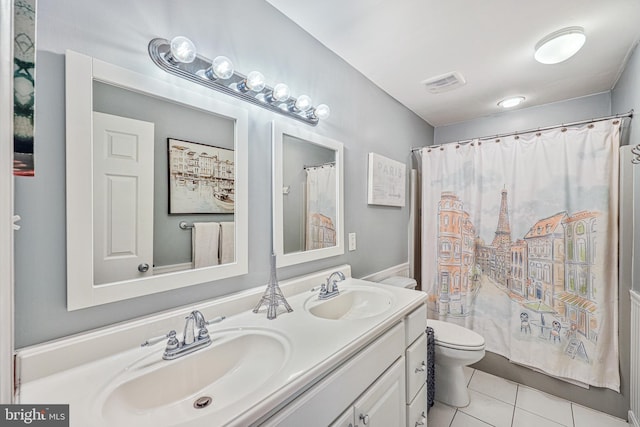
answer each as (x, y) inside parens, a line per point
(143, 268)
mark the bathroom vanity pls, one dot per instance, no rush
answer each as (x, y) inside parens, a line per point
(358, 358)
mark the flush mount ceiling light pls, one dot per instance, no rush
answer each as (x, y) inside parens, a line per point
(511, 102)
(560, 45)
(179, 57)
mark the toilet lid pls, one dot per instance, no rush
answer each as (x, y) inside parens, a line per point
(453, 336)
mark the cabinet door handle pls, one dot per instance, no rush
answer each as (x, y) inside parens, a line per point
(423, 419)
(364, 419)
(421, 368)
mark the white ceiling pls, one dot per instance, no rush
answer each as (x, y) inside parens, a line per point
(398, 44)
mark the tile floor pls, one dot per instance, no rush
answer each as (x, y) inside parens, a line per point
(500, 403)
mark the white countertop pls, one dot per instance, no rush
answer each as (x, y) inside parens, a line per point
(313, 348)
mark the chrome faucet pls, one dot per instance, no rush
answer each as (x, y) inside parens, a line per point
(195, 336)
(330, 289)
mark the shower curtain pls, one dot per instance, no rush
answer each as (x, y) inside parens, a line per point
(320, 207)
(520, 244)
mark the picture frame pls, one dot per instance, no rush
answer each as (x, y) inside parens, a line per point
(386, 181)
(201, 178)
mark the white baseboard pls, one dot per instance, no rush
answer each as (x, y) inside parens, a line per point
(633, 420)
(397, 270)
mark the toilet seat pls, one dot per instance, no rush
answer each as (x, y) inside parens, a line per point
(455, 337)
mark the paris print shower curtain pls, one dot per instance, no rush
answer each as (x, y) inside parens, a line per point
(520, 244)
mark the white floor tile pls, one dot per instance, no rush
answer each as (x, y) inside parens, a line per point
(522, 418)
(468, 373)
(463, 420)
(440, 415)
(547, 406)
(488, 409)
(494, 386)
(586, 417)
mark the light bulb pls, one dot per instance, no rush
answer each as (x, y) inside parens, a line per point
(322, 111)
(254, 82)
(280, 92)
(182, 50)
(303, 103)
(560, 45)
(511, 102)
(221, 67)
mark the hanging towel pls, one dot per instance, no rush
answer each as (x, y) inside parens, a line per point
(227, 242)
(204, 238)
(431, 367)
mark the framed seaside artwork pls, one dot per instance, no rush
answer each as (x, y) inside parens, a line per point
(387, 179)
(201, 178)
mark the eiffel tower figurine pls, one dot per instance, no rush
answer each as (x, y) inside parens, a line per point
(273, 296)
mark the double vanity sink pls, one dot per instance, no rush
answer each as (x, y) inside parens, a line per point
(252, 368)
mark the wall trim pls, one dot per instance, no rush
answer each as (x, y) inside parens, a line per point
(6, 203)
(633, 420)
(397, 270)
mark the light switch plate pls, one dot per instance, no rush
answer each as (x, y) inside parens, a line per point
(352, 241)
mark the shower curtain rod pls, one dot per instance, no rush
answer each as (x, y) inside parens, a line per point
(504, 135)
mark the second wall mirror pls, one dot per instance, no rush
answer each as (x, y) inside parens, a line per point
(308, 213)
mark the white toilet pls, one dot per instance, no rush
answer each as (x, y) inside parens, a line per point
(455, 348)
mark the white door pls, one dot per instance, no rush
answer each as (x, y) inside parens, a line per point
(123, 198)
(383, 404)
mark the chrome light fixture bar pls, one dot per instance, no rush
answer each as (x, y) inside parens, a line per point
(179, 57)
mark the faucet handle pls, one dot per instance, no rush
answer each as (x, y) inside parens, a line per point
(171, 335)
(215, 320)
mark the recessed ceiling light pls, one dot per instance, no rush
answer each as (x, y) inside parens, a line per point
(511, 102)
(560, 45)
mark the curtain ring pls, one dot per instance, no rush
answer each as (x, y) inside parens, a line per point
(479, 143)
(472, 144)
(497, 140)
(441, 148)
(538, 133)
(563, 129)
(429, 150)
(516, 137)
(591, 126)
(457, 145)
(615, 122)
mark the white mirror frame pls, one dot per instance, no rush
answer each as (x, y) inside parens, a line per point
(81, 72)
(279, 130)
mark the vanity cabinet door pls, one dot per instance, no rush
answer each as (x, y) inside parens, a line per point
(347, 419)
(383, 404)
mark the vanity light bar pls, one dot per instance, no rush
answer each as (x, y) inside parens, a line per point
(178, 57)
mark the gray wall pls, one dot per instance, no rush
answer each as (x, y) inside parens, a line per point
(594, 106)
(572, 110)
(255, 36)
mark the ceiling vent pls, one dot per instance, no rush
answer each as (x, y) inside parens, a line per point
(444, 82)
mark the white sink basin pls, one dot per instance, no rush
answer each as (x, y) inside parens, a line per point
(157, 392)
(352, 303)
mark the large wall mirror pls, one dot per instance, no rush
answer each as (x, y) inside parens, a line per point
(156, 185)
(308, 212)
